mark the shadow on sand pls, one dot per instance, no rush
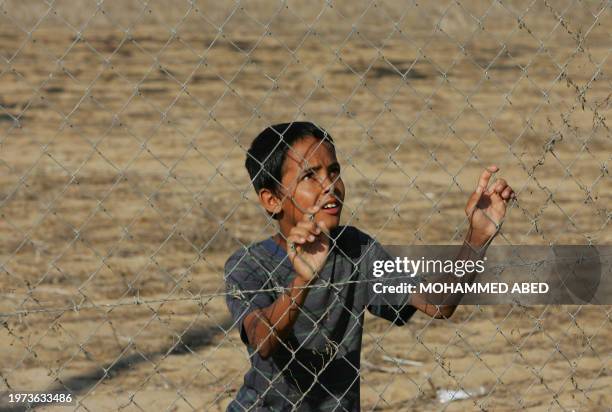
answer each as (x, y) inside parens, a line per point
(192, 340)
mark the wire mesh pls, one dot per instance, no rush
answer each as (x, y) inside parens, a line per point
(123, 132)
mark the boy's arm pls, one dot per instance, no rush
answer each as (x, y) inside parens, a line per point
(307, 249)
(485, 209)
(267, 327)
(421, 301)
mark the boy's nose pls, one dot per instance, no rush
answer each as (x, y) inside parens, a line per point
(328, 184)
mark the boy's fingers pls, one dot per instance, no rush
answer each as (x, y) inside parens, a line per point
(297, 238)
(309, 226)
(310, 213)
(499, 186)
(472, 202)
(506, 193)
(302, 233)
(483, 182)
(323, 226)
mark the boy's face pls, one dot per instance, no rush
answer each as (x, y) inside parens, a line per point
(311, 177)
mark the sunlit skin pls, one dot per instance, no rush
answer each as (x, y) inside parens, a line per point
(310, 182)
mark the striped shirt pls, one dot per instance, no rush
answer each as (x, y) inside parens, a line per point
(317, 367)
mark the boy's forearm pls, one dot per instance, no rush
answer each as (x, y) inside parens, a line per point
(267, 327)
(473, 248)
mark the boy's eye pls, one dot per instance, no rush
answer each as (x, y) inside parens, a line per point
(308, 175)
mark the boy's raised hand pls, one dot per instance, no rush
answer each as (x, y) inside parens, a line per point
(486, 208)
(308, 245)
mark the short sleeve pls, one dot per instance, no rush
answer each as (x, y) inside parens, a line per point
(244, 282)
(399, 311)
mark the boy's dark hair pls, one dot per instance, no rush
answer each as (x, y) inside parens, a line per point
(265, 158)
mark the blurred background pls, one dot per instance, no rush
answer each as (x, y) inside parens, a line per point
(123, 131)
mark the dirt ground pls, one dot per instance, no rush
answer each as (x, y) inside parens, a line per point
(123, 130)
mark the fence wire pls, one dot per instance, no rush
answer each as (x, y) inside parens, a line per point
(123, 132)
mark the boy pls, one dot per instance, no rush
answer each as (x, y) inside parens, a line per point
(299, 296)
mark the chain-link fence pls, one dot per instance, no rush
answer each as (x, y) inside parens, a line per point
(123, 133)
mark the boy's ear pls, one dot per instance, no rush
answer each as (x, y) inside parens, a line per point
(270, 201)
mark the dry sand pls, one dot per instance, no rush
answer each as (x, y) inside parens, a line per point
(123, 191)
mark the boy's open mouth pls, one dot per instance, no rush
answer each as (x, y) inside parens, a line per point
(332, 208)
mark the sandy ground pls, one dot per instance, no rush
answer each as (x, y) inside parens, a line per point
(123, 132)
